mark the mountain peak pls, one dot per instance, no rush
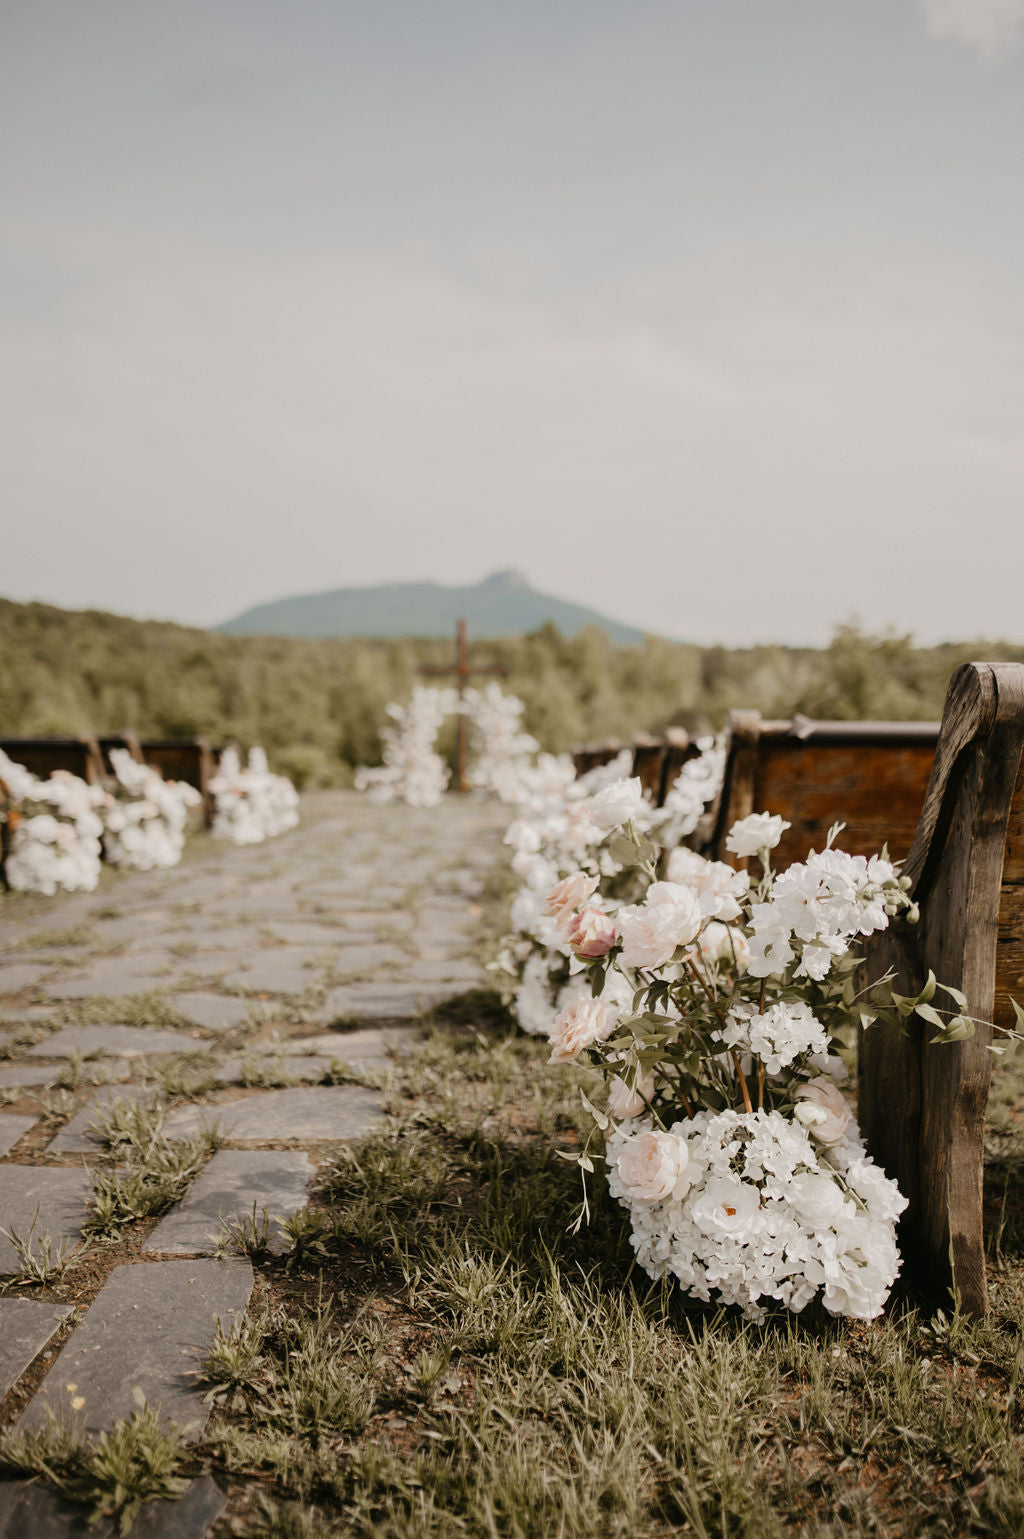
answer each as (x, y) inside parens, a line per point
(503, 604)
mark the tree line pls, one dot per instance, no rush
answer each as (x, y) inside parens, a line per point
(318, 706)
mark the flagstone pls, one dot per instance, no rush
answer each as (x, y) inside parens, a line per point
(215, 1012)
(116, 1041)
(316, 1112)
(381, 1001)
(374, 1044)
(269, 978)
(233, 1183)
(13, 1127)
(30, 1074)
(26, 1325)
(75, 1138)
(22, 975)
(106, 988)
(367, 959)
(273, 1066)
(30, 1511)
(59, 1195)
(146, 1329)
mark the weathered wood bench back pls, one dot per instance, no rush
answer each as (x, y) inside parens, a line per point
(656, 760)
(872, 775)
(922, 1107)
(189, 759)
(42, 755)
(649, 764)
(591, 756)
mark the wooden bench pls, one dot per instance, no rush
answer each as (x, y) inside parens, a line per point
(42, 755)
(189, 759)
(656, 760)
(870, 774)
(922, 1107)
(593, 755)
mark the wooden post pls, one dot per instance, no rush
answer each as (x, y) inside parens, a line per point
(463, 671)
(922, 1107)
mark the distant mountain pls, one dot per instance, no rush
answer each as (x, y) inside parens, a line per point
(502, 605)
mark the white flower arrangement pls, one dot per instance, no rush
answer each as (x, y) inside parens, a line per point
(146, 821)
(54, 831)
(711, 1006)
(251, 804)
(412, 771)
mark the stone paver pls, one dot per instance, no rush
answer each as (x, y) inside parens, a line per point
(319, 1112)
(215, 1012)
(30, 1074)
(75, 1138)
(26, 1325)
(233, 1182)
(103, 988)
(146, 1329)
(11, 1129)
(270, 979)
(60, 1197)
(36, 1512)
(23, 975)
(383, 1001)
(373, 1044)
(115, 1042)
(367, 958)
(289, 1066)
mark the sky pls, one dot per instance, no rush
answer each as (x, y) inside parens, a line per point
(708, 314)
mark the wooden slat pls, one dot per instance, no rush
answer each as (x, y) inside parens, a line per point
(922, 1107)
(649, 763)
(42, 755)
(189, 759)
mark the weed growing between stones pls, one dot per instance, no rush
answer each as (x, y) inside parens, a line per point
(136, 1461)
(146, 1172)
(39, 1260)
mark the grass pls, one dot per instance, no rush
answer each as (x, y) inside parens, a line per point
(439, 1356)
(146, 1172)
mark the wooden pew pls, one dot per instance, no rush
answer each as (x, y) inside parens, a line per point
(189, 759)
(592, 755)
(649, 763)
(679, 748)
(870, 774)
(922, 1107)
(42, 755)
(8, 823)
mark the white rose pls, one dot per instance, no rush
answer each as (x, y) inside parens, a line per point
(651, 931)
(727, 1206)
(652, 1165)
(616, 804)
(824, 1096)
(719, 942)
(759, 832)
(580, 1025)
(817, 1199)
(624, 1101)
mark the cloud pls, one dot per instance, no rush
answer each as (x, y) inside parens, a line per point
(993, 27)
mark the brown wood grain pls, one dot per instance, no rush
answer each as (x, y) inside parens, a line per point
(922, 1105)
(649, 765)
(42, 755)
(189, 759)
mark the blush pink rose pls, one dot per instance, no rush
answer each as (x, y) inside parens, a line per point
(651, 1165)
(578, 1026)
(593, 933)
(569, 894)
(651, 931)
(624, 1101)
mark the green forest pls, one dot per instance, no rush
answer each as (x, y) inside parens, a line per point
(317, 706)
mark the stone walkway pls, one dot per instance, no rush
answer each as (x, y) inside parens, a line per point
(268, 975)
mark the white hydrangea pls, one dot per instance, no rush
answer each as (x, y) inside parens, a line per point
(412, 771)
(753, 1213)
(820, 904)
(55, 831)
(146, 821)
(694, 789)
(783, 1033)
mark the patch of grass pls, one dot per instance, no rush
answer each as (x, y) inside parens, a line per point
(137, 1460)
(40, 1260)
(145, 1172)
(77, 935)
(449, 1359)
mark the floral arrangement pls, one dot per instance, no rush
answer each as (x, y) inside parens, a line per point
(568, 824)
(54, 829)
(146, 821)
(412, 771)
(251, 804)
(503, 754)
(727, 1136)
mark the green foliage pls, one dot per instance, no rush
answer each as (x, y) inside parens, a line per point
(318, 706)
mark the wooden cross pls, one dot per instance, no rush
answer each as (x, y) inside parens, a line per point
(463, 670)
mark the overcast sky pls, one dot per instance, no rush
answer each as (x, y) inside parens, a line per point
(708, 313)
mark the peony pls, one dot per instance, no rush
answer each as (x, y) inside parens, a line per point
(593, 933)
(652, 931)
(761, 831)
(652, 1165)
(579, 1025)
(728, 1206)
(616, 804)
(625, 1101)
(816, 1198)
(719, 942)
(823, 1096)
(717, 887)
(569, 894)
